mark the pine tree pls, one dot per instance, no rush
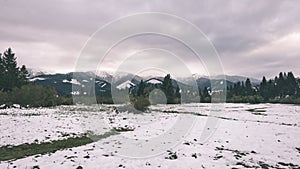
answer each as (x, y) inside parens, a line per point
(11, 70)
(177, 92)
(141, 88)
(298, 88)
(248, 88)
(23, 76)
(168, 89)
(237, 89)
(205, 95)
(264, 89)
(11, 75)
(2, 71)
(280, 85)
(291, 84)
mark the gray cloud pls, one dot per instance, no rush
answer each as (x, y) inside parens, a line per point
(253, 38)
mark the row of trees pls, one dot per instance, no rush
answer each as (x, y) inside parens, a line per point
(282, 89)
(285, 85)
(15, 89)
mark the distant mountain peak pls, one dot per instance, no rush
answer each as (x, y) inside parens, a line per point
(32, 72)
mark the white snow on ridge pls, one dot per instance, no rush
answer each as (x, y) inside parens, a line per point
(103, 85)
(36, 78)
(154, 81)
(73, 81)
(125, 85)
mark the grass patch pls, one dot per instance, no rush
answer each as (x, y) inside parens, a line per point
(123, 129)
(177, 112)
(256, 110)
(236, 153)
(259, 114)
(244, 165)
(290, 165)
(264, 165)
(24, 150)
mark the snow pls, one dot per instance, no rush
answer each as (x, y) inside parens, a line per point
(261, 133)
(73, 81)
(103, 85)
(154, 81)
(36, 78)
(75, 93)
(125, 85)
(102, 74)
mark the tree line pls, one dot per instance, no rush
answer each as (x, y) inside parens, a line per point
(284, 88)
(15, 88)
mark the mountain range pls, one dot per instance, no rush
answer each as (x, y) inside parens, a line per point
(103, 82)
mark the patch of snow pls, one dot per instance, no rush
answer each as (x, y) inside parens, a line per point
(103, 85)
(36, 78)
(75, 93)
(125, 85)
(73, 81)
(154, 81)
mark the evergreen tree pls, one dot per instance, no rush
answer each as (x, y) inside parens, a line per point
(264, 89)
(280, 85)
(205, 95)
(248, 88)
(292, 85)
(177, 94)
(272, 88)
(168, 89)
(2, 71)
(23, 76)
(237, 89)
(11, 70)
(298, 88)
(11, 75)
(141, 88)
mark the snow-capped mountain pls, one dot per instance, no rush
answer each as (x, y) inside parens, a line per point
(230, 78)
(235, 78)
(104, 82)
(121, 77)
(103, 75)
(32, 72)
(73, 83)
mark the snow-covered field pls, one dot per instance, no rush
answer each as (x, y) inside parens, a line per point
(245, 135)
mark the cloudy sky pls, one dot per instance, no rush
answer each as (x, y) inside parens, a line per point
(253, 38)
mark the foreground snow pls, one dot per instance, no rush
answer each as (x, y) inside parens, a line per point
(246, 136)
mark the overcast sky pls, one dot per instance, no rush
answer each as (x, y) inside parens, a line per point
(253, 38)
